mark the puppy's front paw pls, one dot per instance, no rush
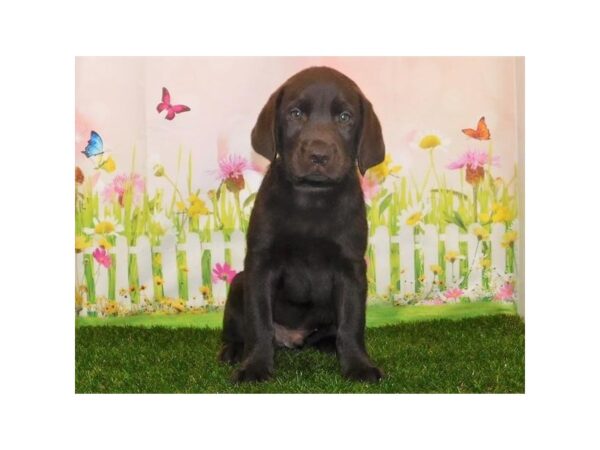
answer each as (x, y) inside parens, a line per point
(363, 372)
(252, 372)
(231, 352)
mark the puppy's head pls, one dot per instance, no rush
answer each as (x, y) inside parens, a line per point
(321, 125)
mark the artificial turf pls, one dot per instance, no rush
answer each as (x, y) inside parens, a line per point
(482, 354)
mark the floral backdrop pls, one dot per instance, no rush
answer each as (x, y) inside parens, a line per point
(165, 178)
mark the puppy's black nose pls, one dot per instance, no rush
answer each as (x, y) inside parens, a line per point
(318, 152)
(319, 158)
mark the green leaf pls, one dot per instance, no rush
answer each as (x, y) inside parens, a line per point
(249, 200)
(456, 219)
(384, 204)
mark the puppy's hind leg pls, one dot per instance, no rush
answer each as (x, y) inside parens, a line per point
(232, 347)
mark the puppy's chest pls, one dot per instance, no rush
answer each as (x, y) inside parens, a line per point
(308, 269)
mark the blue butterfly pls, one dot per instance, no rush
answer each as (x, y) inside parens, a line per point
(95, 146)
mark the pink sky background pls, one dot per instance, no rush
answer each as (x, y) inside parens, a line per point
(117, 97)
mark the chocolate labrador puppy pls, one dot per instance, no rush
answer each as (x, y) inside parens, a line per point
(304, 280)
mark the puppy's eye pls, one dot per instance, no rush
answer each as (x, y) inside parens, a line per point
(344, 117)
(296, 113)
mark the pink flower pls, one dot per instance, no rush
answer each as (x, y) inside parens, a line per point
(223, 272)
(506, 292)
(453, 294)
(231, 171)
(369, 187)
(474, 159)
(102, 256)
(233, 166)
(123, 183)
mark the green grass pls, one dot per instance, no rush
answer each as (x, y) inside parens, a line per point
(482, 354)
(377, 315)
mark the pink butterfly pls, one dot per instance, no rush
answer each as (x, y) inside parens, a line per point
(171, 109)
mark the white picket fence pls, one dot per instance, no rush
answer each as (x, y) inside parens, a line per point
(428, 244)
(381, 242)
(168, 249)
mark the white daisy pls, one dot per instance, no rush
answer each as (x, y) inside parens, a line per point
(430, 140)
(415, 214)
(105, 226)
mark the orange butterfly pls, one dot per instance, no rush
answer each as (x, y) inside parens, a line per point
(482, 132)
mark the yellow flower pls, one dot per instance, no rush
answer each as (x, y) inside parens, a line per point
(175, 303)
(453, 255)
(103, 242)
(105, 226)
(382, 170)
(158, 280)
(500, 216)
(183, 268)
(422, 279)
(414, 215)
(414, 218)
(509, 238)
(436, 269)
(500, 213)
(108, 165)
(197, 207)
(205, 291)
(180, 206)
(160, 224)
(430, 141)
(484, 217)
(111, 307)
(81, 243)
(481, 233)
(486, 263)
(123, 292)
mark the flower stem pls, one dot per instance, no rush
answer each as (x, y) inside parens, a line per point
(435, 174)
(466, 277)
(475, 202)
(425, 181)
(238, 206)
(217, 215)
(174, 186)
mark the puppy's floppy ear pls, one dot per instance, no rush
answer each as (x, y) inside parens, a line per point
(264, 133)
(371, 149)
